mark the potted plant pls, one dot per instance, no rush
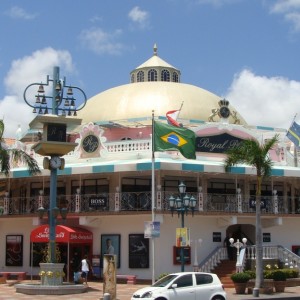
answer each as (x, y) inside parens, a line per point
(279, 277)
(240, 281)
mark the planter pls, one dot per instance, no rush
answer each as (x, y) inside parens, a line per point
(240, 281)
(291, 282)
(240, 287)
(267, 288)
(279, 286)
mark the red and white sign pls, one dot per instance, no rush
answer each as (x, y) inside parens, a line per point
(64, 234)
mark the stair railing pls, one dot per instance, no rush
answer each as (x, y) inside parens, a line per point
(211, 261)
(287, 257)
(290, 259)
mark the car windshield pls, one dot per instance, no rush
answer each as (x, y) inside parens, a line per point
(164, 281)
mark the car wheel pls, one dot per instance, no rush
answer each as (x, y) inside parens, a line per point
(218, 297)
(160, 298)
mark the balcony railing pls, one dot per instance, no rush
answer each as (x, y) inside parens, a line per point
(141, 201)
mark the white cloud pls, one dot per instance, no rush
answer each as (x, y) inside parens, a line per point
(282, 6)
(101, 42)
(140, 17)
(17, 12)
(24, 71)
(290, 9)
(265, 101)
(215, 3)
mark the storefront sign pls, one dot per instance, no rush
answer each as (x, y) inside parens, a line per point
(97, 202)
(64, 234)
(217, 143)
(266, 237)
(217, 237)
(252, 202)
(152, 229)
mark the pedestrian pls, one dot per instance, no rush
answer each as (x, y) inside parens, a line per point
(76, 263)
(85, 268)
(229, 247)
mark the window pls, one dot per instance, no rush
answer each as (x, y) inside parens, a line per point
(184, 281)
(165, 75)
(140, 76)
(152, 75)
(175, 77)
(203, 279)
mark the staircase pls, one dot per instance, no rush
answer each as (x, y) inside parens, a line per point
(224, 270)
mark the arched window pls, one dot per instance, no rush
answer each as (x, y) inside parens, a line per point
(132, 78)
(140, 76)
(165, 75)
(175, 77)
(152, 75)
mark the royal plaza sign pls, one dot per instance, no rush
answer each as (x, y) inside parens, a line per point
(217, 143)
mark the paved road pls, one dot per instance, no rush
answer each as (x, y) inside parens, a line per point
(125, 291)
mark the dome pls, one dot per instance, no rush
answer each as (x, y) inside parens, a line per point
(160, 93)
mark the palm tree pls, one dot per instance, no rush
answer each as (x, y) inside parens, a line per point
(14, 155)
(251, 152)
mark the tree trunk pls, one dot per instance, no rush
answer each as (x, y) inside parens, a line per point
(259, 250)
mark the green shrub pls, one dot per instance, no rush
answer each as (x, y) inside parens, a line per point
(279, 275)
(240, 277)
(291, 273)
(268, 274)
(251, 274)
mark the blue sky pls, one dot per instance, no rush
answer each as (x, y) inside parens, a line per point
(246, 51)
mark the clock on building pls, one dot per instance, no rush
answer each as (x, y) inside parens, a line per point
(90, 143)
(57, 162)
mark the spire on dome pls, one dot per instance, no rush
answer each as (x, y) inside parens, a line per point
(155, 49)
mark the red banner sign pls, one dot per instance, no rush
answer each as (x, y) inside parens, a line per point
(64, 234)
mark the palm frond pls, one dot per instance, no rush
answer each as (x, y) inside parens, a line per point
(251, 153)
(15, 155)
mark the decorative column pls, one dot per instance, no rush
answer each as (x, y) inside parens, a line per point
(196, 264)
(275, 202)
(117, 199)
(78, 201)
(158, 198)
(200, 199)
(41, 199)
(239, 200)
(6, 204)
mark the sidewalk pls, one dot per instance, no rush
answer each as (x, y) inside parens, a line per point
(125, 291)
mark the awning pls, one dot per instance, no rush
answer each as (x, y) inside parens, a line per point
(64, 234)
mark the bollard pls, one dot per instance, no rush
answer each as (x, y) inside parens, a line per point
(106, 296)
(255, 292)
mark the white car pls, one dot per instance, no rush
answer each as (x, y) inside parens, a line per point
(184, 286)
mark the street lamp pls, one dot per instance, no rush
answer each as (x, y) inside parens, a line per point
(182, 204)
(238, 245)
(53, 142)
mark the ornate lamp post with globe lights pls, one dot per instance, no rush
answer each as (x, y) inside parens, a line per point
(238, 245)
(53, 142)
(182, 205)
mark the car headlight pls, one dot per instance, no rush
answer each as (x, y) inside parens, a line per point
(147, 295)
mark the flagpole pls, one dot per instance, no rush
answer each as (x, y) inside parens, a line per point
(180, 109)
(153, 200)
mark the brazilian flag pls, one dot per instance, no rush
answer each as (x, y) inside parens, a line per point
(168, 138)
